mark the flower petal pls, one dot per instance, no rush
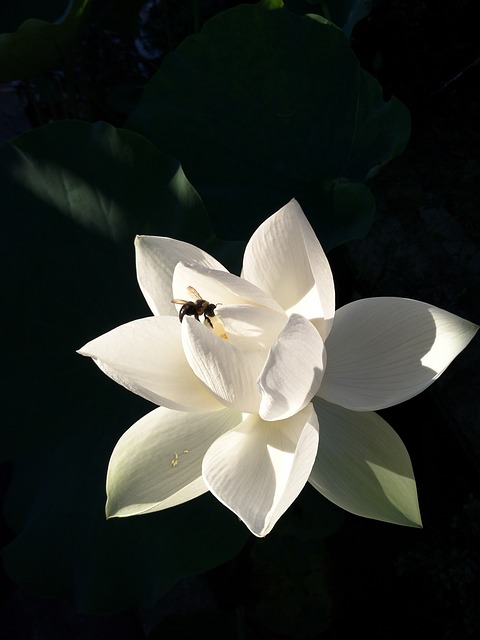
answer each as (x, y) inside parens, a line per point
(293, 370)
(285, 259)
(228, 372)
(258, 468)
(157, 463)
(156, 259)
(218, 287)
(146, 356)
(363, 466)
(382, 351)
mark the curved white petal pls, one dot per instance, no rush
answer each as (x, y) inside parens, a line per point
(285, 259)
(228, 372)
(157, 463)
(258, 468)
(156, 258)
(382, 351)
(218, 287)
(251, 327)
(146, 356)
(363, 466)
(293, 370)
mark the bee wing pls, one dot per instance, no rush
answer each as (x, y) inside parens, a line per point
(177, 301)
(195, 293)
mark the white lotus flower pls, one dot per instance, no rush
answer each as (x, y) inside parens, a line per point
(246, 391)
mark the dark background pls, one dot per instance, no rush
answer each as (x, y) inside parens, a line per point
(369, 577)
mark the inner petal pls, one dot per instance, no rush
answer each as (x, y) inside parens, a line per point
(293, 370)
(218, 287)
(285, 258)
(251, 327)
(229, 372)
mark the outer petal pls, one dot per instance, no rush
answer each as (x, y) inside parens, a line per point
(259, 468)
(157, 463)
(382, 351)
(228, 372)
(363, 466)
(156, 258)
(219, 287)
(293, 370)
(146, 356)
(285, 259)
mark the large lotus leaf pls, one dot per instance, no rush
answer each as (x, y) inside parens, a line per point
(264, 105)
(73, 195)
(38, 45)
(109, 180)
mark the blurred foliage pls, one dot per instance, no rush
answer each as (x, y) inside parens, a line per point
(263, 106)
(344, 13)
(90, 58)
(38, 46)
(14, 13)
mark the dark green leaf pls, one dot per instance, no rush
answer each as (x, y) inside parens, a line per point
(109, 180)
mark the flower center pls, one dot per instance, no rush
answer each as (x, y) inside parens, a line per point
(218, 328)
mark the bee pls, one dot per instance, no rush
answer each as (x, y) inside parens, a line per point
(196, 308)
